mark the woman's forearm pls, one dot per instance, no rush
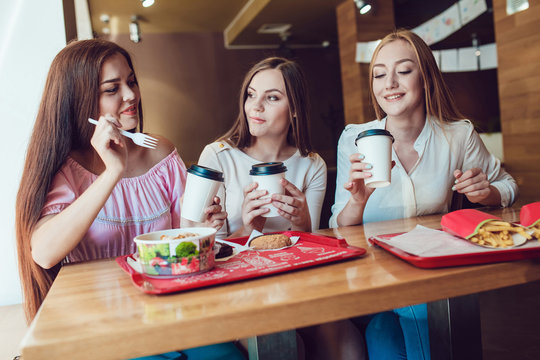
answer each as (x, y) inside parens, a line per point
(243, 231)
(494, 197)
(56, 235)
(351, 214)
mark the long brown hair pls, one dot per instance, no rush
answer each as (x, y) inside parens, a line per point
(70, 97)
(295, 85)
(438, 98)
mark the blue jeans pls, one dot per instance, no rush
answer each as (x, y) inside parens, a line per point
(399, 334)
(224, 351)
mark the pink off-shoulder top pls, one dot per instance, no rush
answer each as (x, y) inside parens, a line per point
(137, 205)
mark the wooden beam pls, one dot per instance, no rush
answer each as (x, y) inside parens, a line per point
(353, 28)
(244, 17)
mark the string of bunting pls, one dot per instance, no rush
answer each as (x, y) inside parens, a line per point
(440, 27)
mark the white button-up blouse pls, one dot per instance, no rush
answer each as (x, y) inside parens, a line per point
(427, 188)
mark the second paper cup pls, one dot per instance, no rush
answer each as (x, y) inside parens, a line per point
(202, 185)
(268, 176)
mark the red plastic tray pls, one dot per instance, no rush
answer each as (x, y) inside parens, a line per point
(498, 255)
(310, 250)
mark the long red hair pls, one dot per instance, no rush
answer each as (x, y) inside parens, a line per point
(70, 97)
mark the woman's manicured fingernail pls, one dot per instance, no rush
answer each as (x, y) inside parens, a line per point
(361, 156)
(456, 181)
(369, 166)
(454, 188)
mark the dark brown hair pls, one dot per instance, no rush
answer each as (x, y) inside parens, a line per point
(70, 97)
(295, 85)
(438, 99)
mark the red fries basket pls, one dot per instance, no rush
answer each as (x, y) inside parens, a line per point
(530, 214)
(465, 223)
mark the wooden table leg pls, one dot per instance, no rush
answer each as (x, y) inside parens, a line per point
(280, 345)
(455, 329)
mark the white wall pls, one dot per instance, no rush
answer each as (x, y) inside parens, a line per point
(494, 143)
(31, 34)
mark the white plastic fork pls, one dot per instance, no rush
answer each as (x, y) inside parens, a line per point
(138, 138)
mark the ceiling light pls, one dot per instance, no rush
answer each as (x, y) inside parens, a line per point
(147, 3)
(104, 18)
(475, 44)
(274, 28)
(134, 29)
(363, 6)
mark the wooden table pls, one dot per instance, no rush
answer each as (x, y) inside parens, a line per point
(93, 311)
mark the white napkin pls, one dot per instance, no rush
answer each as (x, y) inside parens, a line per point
(426, 242)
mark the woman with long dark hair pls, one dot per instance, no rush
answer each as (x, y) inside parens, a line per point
(86, 191)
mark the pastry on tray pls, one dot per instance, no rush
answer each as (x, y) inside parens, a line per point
(270, 241)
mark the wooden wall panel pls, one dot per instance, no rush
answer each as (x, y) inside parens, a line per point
(190, 91)
(518, 52)
(351, 73)
(353, 27)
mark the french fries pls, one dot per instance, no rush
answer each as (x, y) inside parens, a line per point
(536, 231)
(498, 234)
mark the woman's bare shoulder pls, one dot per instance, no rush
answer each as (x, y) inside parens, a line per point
(163, 149)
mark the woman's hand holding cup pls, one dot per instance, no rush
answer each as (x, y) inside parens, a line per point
(252, 210)
(215, 216)
(293, 206)
(359, 171)
(352, 213)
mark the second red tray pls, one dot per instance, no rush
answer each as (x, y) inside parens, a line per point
(310, 250)
(498, 255)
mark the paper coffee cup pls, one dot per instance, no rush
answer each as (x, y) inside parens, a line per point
(202, 185)
(376, 146)
(268, 176)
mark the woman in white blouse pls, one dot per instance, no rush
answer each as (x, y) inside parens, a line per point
(272, 126)
(435, 153)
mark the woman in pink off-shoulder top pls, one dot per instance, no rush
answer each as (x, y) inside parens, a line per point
(86, 190)
(136, 205)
